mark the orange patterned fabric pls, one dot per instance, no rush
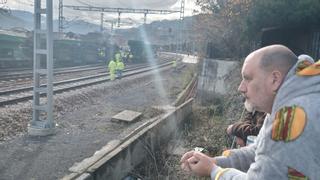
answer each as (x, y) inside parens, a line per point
(305, 68)
(289, 124)
(295, 175)
(302, 65)
(226, 153)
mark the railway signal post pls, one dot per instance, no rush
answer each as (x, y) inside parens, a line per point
(42, 120)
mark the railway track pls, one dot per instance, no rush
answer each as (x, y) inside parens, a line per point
(25, 74)
(13, 96)
(20, 81)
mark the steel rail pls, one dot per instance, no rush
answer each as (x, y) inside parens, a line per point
(27, 92)
(5, 77)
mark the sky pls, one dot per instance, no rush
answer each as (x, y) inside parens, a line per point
(94, 17)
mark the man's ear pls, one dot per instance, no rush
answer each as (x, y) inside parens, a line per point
(276, 80)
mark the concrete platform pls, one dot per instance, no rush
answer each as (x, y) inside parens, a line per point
(127, 116)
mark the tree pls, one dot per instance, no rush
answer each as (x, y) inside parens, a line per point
(285, 13)
(232, 14)
(246, 18)
(227, 8)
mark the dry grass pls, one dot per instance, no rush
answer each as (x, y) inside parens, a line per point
(202, 129)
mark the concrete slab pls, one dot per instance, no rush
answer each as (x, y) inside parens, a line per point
(126, 116)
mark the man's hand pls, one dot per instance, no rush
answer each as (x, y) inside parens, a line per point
(201, 164)
(184, 161)
(197, 163)
(229, 130)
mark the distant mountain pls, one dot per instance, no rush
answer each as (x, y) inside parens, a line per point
(24, 19)
(16, 19)
(23, 15)
(78, 26)
(159, 32)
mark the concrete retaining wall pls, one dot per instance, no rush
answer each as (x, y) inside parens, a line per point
(211, 81)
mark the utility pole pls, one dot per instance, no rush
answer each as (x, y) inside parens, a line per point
(181, 24)
(179, 28)
(182, 10)
(42, 120)
(101, 23)
(60, 16)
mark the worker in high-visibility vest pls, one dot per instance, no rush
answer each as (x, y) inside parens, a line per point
(174, 65)
(118, 56)
(119, 68)
(112, 69)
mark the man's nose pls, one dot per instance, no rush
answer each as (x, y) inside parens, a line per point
(241, 87)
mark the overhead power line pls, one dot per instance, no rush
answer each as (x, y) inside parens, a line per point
(116, 10)
(122, 10)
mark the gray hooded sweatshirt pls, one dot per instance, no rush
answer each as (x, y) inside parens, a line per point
(288, 145)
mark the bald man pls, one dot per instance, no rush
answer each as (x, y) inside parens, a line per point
(274, 81)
